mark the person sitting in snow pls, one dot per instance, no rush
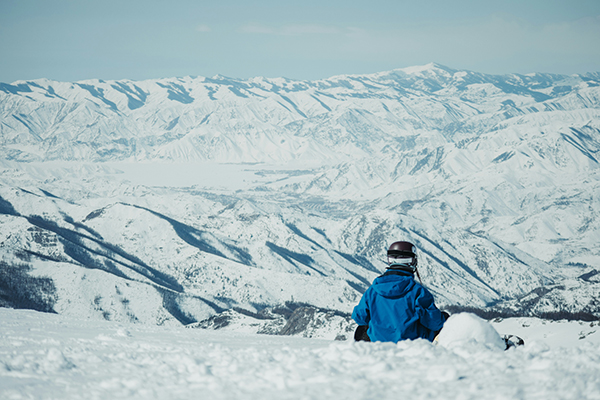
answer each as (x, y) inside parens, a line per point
(395, 307)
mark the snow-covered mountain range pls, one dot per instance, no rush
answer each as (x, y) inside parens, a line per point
(175, 200)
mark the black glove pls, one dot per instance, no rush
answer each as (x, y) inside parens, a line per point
(361, 333)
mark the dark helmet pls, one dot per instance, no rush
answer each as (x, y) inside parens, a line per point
(405, 251)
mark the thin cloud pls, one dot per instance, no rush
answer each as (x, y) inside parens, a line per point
(258, 29)
(290, 30)
(309, 30)
(352, 31)
(202, 28)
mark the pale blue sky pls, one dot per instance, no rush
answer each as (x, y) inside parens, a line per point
(72, 40)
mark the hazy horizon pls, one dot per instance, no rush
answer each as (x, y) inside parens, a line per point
(67, 40)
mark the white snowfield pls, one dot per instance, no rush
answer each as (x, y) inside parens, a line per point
(48, 356)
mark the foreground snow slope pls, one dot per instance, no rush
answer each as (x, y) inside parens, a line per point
(48, 356)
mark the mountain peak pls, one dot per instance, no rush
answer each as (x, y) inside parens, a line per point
(430, 67)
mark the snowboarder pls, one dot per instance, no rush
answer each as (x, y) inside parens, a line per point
(395, 307)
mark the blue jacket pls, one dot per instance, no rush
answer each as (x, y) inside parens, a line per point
(397, 308)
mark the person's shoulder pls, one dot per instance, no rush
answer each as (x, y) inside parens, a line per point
(419, 287)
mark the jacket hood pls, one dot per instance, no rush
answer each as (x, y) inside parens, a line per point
(394, 285)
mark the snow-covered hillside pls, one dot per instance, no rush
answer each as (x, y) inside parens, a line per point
(173, 200)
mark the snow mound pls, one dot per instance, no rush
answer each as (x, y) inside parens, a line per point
(466, 328)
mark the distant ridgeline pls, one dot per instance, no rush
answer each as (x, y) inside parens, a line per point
(233, 120)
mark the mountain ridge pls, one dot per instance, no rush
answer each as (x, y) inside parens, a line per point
(109, 114)
(294, 189)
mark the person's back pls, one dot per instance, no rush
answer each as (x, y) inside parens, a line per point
(395, 307)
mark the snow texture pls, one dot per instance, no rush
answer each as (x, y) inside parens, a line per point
(48, 356)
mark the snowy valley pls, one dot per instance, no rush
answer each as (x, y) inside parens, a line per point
(237, 204)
